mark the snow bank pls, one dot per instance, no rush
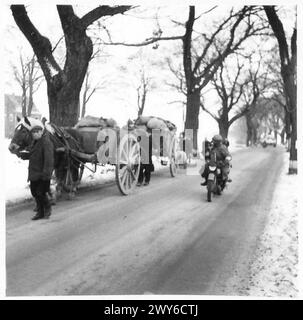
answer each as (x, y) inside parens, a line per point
(15, 175)
(17, 187)
(274, 272)
(16, 170)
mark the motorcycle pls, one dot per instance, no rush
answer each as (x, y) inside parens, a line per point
(216, 183)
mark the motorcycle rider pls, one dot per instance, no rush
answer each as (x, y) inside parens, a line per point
(221, 152)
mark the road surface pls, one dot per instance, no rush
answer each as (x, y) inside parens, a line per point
(163, 239)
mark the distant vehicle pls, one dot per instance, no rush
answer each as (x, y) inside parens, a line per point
(269, 141)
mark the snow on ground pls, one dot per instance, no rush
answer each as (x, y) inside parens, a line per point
(16, 170)
(17, 187)
(274, 272)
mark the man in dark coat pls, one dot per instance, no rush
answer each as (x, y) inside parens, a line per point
(41, 165)
(146, 167)
(221, 152)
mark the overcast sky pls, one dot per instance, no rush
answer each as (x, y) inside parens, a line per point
(116, 101)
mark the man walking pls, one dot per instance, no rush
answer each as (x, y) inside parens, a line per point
(41, 164)
(146, 167)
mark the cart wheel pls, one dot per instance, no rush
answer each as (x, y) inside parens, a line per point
(172, 158)
(128, 164)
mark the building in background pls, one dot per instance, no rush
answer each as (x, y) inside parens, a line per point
(12, 110)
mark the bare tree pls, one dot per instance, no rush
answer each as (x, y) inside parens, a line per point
(265, 118)
(64, 85)
(288, 59)
(21, 77)
(88, 89)
(279, 95)
(142, 91)
(252, 126)
(28, 75)
(199, 68)
(229, 91)
(238, 93)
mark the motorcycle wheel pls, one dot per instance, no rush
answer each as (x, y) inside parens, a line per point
(209, 190)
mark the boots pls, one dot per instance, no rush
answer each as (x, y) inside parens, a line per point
(47, 212)
(51, 198)
(36, 207)
(44, 209)
(40, 213)
(47, 207)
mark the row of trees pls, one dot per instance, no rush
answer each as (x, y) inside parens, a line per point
(205, 61)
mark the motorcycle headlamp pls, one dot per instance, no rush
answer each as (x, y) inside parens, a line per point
(212, 168)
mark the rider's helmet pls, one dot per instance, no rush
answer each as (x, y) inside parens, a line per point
(217, 139)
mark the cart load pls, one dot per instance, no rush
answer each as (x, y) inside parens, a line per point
(152, 122)
(94, 130)
(163, 142)
(106, 143)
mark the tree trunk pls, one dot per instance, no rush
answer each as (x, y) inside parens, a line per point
(254, 135)
(282, 135)
(64, 104)
(223, 128)
(30, 100)
(64, 88)
(248, 130)
(287, 124)
(288, 71)
(192, 116)
(224, 123)
(276, 134)
(142, 100)
(24, 101)
(293, 155)
(64, 85)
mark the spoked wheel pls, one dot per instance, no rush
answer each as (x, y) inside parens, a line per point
(128, 164)
(172, 158)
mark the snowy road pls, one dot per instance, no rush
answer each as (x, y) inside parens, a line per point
(163, 239)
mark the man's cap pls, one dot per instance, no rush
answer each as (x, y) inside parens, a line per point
(217, 138)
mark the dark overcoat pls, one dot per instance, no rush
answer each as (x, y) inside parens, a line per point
(41, 159)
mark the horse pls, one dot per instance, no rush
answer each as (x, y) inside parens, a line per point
(64, 139)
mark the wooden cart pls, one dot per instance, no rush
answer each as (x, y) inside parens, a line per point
(121, 148)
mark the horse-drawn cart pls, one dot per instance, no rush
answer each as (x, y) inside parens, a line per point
(124, 148)
(100, 141)
(103, 145)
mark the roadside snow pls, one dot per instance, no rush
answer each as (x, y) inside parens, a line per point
(17, 187)
(274, 272)
(16, 170)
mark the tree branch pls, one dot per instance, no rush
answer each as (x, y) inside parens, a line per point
(278, 30)
(40, 44)
(146, 42)
(102, 11)
(210, 113)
